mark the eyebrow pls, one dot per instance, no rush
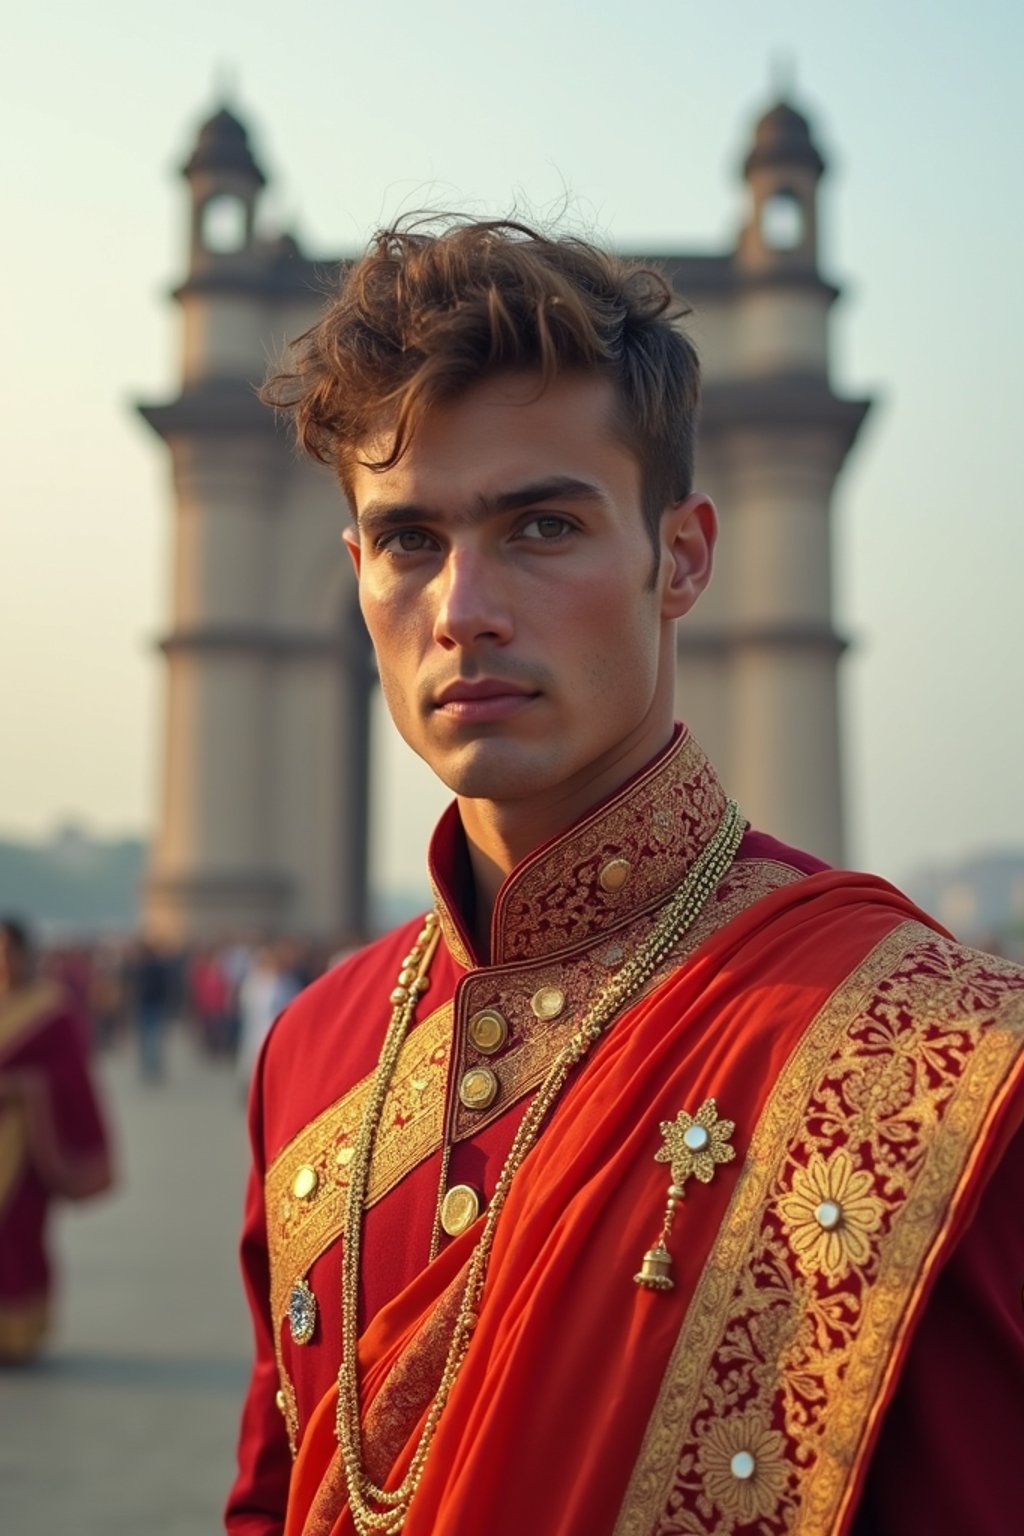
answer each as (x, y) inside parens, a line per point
(379, 513)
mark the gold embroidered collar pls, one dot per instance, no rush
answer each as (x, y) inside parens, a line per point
(623, 859)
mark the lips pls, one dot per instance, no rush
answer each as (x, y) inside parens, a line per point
(464, 691)
(483, 701)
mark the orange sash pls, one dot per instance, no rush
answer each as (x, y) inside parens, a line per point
(867, 1061)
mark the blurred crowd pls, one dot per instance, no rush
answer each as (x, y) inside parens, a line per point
(59, 1005)
(225, 996)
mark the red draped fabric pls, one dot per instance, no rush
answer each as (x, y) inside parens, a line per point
(548, 1416)
(53, 1144)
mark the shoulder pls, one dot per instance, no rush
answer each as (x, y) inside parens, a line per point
(759, 847)
(905, 975)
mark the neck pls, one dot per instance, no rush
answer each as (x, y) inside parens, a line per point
(501, 833)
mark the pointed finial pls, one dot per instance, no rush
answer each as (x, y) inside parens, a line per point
(782, 74)
(225, 83)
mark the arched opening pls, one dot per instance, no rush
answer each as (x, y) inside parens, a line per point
(783, 221)
(224, 224)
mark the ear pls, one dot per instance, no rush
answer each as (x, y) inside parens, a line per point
(689, 530)
(350, 538)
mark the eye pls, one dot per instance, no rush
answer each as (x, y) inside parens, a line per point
(548, 527)
(407, 541)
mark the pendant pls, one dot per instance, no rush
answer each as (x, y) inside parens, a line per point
(302, 1312)
(694, 1146)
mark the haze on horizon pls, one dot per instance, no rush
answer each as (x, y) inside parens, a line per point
(642, 117)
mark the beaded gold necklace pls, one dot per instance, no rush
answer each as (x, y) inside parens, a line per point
(381, 1510)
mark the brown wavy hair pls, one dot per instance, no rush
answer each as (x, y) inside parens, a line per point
(439, 303)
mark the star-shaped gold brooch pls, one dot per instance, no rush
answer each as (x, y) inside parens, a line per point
(695, 1143)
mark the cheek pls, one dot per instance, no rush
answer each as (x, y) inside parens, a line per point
(610, 619)
(392, 630)
(620, 653)
(394, 695)
(383, 620)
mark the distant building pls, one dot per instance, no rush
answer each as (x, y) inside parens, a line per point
(264, 803)
(73, 884)
(980, 899)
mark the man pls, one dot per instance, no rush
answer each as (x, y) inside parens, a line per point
(661, 1179)
(52, 1139)
(266, 990)
(150, 986)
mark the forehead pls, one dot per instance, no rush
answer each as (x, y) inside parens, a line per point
(504, 431)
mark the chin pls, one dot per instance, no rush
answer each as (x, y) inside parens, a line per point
(492, 770)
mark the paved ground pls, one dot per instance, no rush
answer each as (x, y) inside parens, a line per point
(128, 1425)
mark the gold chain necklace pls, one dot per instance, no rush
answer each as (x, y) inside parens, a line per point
(380, 1510)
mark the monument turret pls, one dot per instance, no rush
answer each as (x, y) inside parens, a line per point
(262, 826)
(759, 658)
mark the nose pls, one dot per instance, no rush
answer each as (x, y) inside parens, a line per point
(473, 606)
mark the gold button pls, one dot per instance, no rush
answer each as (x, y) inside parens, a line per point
(459, 1209)
(488, 1030)
(478, 1088)
(280, 1400)
(344, 1156)
(548, 1002)
(614, 875)
(305, 1182)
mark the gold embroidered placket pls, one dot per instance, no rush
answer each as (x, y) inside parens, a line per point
(376, 1509)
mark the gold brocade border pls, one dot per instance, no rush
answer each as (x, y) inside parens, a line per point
(299, 1230)
(22, 1329)
(791, 1338)
(657, 824)
(525, 1064)
(13, 1148)
(27, 1009)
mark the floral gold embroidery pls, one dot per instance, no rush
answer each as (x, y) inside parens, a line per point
(744, 1466)
(831, 1215)
(656, 827)
(788, 1332)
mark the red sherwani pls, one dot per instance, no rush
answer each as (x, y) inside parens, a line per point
(52, 1144)
(868, 1064)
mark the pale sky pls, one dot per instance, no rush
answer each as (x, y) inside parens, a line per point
(642, 113)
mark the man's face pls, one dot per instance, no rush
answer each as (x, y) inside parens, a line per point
(505, 578)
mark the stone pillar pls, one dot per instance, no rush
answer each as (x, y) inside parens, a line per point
(761, 644)
(262, 820)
